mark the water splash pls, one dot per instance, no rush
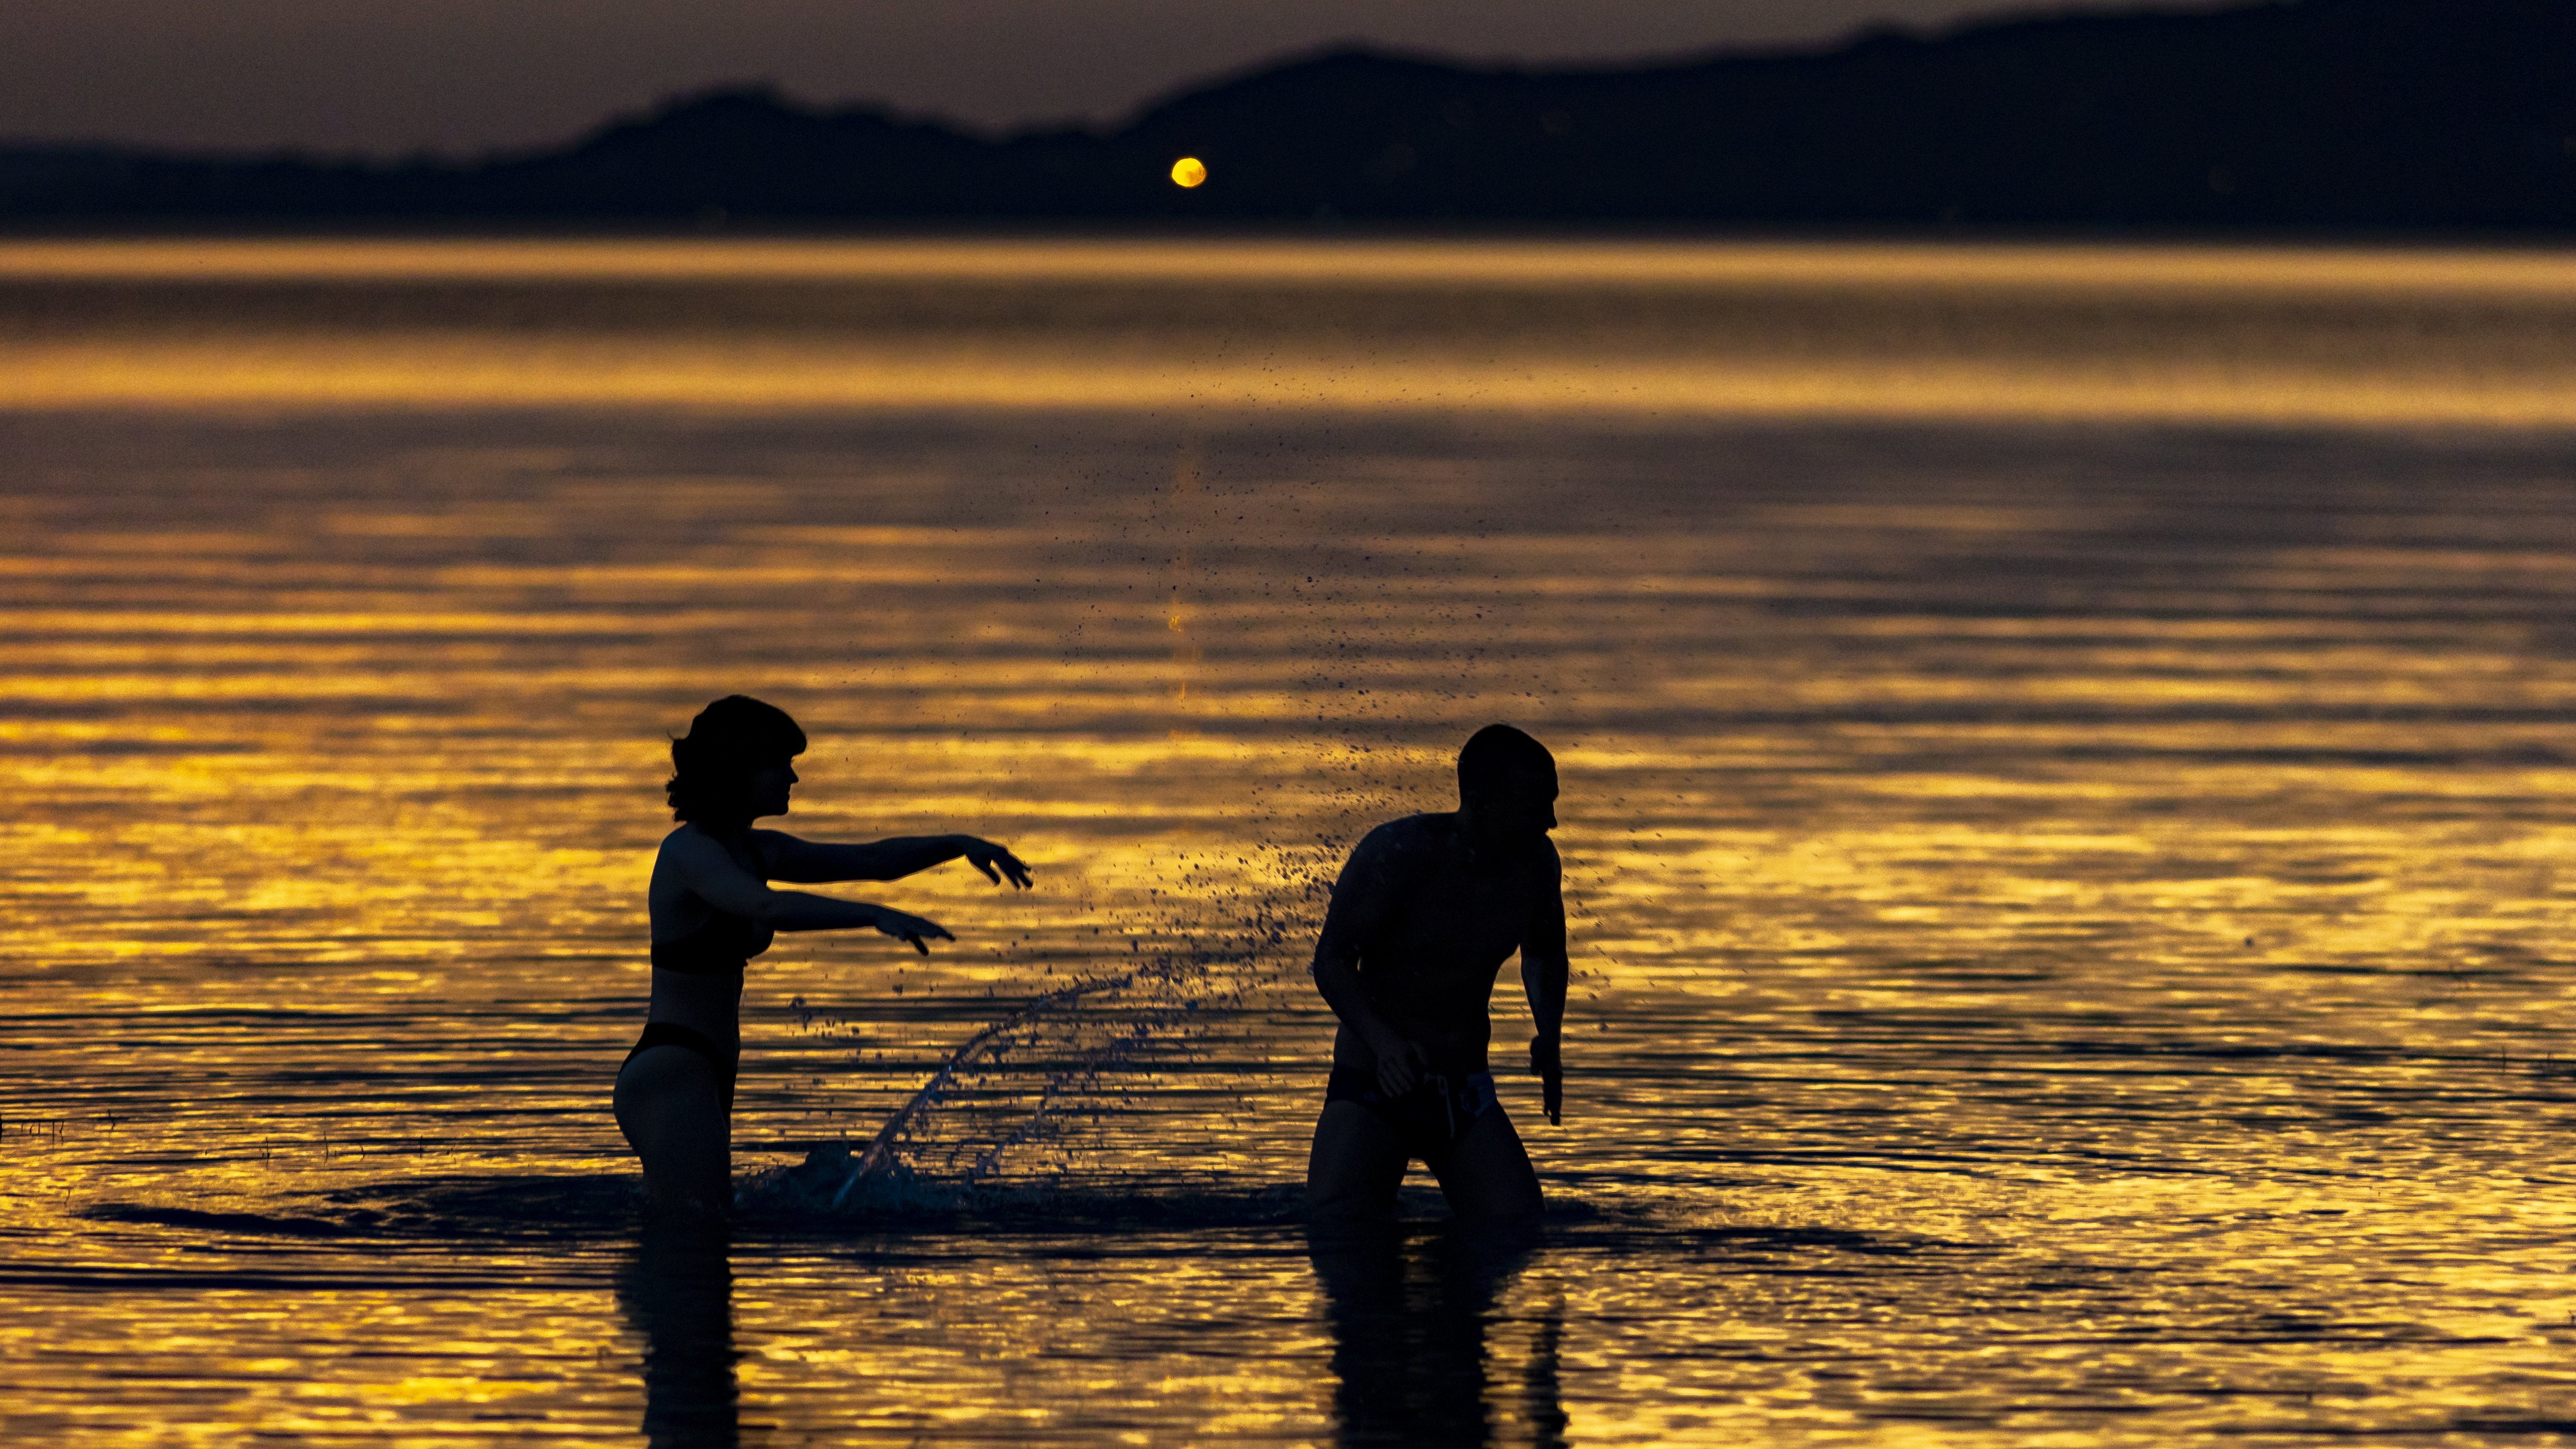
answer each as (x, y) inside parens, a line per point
(1039, 1098)
(1031, 1079)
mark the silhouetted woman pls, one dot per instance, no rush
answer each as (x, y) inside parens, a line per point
(713, 911)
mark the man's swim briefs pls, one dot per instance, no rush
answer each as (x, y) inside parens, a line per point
(1428, 1120)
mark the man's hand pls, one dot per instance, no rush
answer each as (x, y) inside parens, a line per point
(1547, 1058)
(1400, 1064)
(994, 861)
(917, 929)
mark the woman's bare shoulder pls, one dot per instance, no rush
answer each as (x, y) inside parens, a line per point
(687, 850)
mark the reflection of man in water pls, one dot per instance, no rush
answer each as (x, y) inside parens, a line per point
(1424, 915)
(1410, 1359)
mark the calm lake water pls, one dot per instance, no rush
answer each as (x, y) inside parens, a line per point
(2068, 775)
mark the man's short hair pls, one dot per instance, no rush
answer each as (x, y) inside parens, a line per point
(1498, 757)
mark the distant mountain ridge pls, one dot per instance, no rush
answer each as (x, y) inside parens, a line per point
(2302, 114)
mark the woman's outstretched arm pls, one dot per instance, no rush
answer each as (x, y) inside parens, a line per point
(812, 862)
(718, 879)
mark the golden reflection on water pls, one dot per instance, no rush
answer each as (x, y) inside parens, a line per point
(2272, 336)
(2070, 924)
(2338, 274)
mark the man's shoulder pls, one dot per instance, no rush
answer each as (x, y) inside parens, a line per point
(1395, 852)
(1405, 835)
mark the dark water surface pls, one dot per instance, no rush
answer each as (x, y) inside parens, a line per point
(2071, 930)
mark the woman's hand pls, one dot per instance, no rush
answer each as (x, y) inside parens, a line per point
(994, 861)
(916, 929)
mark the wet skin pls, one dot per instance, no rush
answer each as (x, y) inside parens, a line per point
(670, 1100)
(1423, 917)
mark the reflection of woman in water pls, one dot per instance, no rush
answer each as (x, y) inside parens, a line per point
(678, 1292)
(712, 911)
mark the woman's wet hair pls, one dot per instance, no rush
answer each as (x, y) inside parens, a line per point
(1499, 757)
(730, 741)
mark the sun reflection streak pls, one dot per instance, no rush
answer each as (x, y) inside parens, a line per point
(2425, 338)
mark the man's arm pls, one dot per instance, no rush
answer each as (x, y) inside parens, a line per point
(1363, 898)
(1544, 969)
(809, 862)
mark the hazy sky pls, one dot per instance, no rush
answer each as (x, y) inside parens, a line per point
(460, 75)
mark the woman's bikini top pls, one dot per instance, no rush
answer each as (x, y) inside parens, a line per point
(717, 949)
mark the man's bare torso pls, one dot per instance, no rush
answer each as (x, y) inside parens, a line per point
(1433, 923)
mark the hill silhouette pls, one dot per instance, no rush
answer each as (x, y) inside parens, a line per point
(2307, 115)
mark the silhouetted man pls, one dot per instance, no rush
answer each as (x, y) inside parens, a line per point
(1425, 913)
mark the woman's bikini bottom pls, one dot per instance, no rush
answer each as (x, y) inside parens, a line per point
(1430, 1118)
(668, 1033)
